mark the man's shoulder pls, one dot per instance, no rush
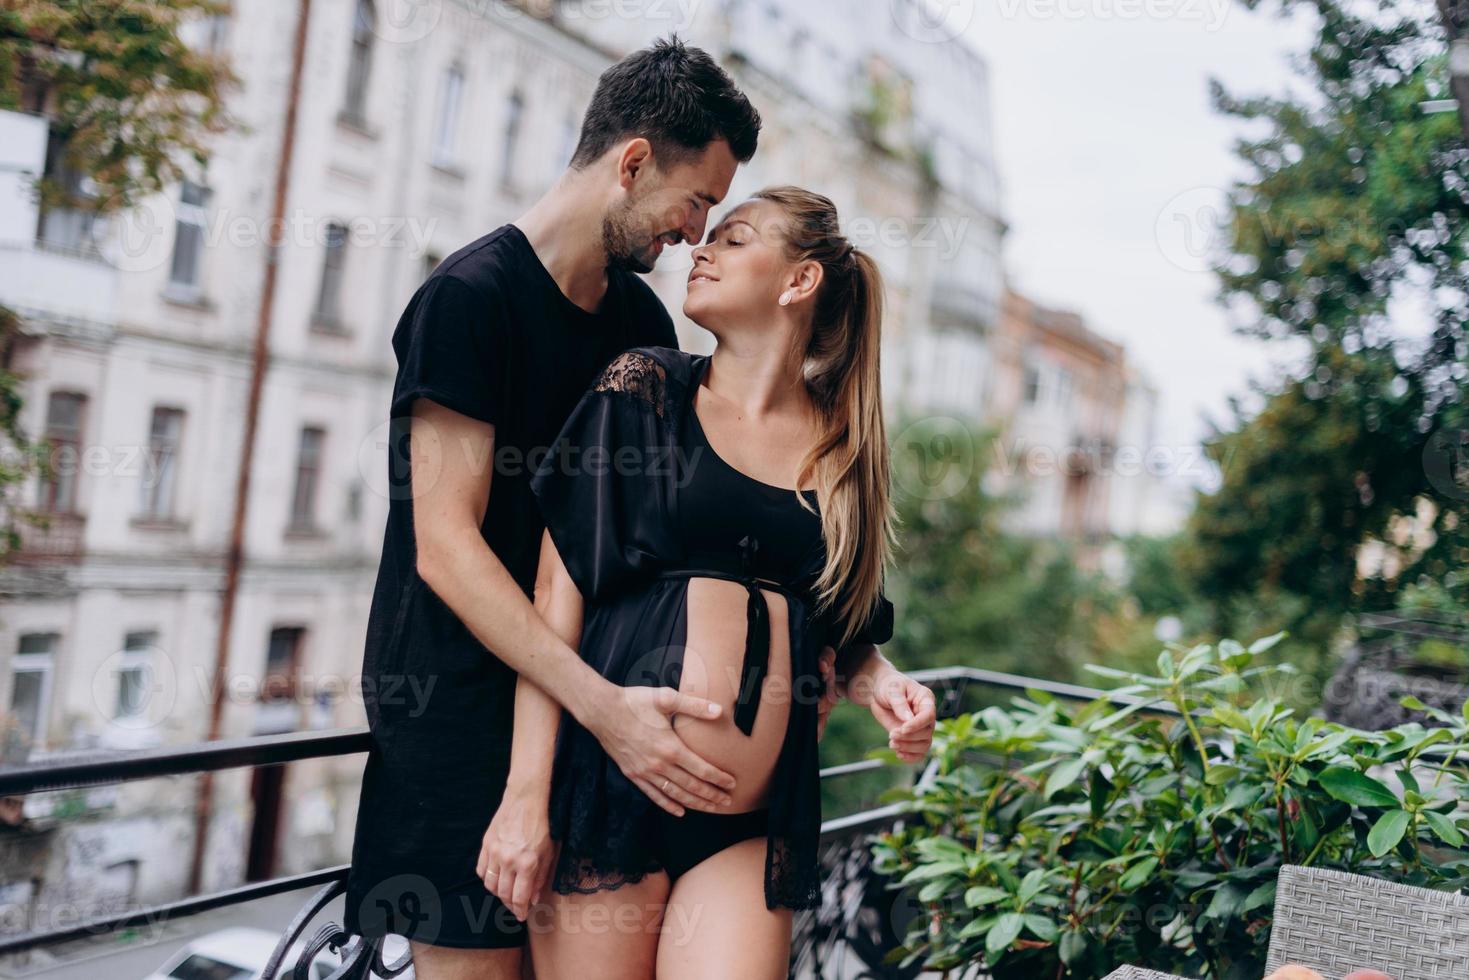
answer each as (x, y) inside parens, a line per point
(486, 264)
(652, 326)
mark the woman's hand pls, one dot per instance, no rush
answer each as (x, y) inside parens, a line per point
(905, 709)
(831, 693)
(517, 855)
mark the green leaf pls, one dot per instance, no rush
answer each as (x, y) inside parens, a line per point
(1031, 885)
(1388, 831)
(1073, 946)
(1042, 927)
(981, 895)
(1005, 931)
(1356, 788)
(1139, 873)
(1063, 776)
(1444, 828)
(1266, 642)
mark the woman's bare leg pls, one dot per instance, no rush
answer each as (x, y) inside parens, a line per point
(444, 963)
(610, 934)
(716, 925)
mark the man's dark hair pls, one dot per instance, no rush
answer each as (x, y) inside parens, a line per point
(674, 96)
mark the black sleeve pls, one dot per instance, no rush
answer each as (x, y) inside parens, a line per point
(604, 488)
(450, 344)
(878, 629)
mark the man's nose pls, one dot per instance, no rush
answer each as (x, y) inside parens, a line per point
(693, 231)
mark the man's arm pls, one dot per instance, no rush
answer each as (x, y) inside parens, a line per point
(451, 466)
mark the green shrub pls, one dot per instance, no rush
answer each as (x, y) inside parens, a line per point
(1062, 841)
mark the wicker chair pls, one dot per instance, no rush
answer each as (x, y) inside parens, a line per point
(1335, 923)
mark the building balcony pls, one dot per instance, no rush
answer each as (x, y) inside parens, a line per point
(59, 538)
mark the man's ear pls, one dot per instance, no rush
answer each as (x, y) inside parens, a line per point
(633, 161)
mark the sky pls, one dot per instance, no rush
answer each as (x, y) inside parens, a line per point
(1112, 164)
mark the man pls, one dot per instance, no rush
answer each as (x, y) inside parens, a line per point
(494, 350)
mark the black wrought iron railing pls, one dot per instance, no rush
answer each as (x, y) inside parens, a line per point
(860, 920)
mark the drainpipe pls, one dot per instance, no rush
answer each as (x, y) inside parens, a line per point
(235, 556)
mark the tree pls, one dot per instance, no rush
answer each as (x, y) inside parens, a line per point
(17, 455)
(1353, 200)
(127, 97)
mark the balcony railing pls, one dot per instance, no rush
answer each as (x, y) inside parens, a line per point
(860, 918)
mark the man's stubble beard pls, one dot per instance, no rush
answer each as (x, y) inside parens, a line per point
(618, 241)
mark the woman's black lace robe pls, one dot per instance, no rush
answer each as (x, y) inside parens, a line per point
(608, 491)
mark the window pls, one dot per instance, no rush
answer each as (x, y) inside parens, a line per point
(161, 476)
(1062, 393)
(64, 413)
(359, 65)
(447, 126)
(201, 967)
(282, 662)
(66, 225)
(329, 298)
(514, 111)
(188, 238)
(133, 674)
(30, 686)
(1032, 384)
(308, 474)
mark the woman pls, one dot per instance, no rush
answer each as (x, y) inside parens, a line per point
(712, 524)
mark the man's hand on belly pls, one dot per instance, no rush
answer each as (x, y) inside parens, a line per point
(635, 727)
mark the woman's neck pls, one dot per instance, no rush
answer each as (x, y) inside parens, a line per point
(762, 380)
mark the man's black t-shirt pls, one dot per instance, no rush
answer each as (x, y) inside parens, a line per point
(489, 335)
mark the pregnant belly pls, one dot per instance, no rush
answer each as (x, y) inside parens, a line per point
(714, 654)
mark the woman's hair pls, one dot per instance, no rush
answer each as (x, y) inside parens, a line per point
(849, 462)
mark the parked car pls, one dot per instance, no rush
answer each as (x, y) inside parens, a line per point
(241, 954)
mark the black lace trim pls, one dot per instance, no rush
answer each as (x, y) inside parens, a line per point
(635, 374)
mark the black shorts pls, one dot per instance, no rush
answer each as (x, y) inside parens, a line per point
(434, 777)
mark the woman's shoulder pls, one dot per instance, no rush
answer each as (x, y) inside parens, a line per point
(657, 374)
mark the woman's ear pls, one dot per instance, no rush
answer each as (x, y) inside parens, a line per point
(804, 282)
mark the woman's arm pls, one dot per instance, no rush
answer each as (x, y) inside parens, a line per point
(518, 846)
(904, 707)
(537, 714)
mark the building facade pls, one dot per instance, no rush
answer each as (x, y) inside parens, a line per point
(421, 126)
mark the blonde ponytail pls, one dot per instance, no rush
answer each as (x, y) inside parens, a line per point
(849, 463)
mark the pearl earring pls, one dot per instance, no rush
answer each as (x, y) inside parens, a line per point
(785, 298)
